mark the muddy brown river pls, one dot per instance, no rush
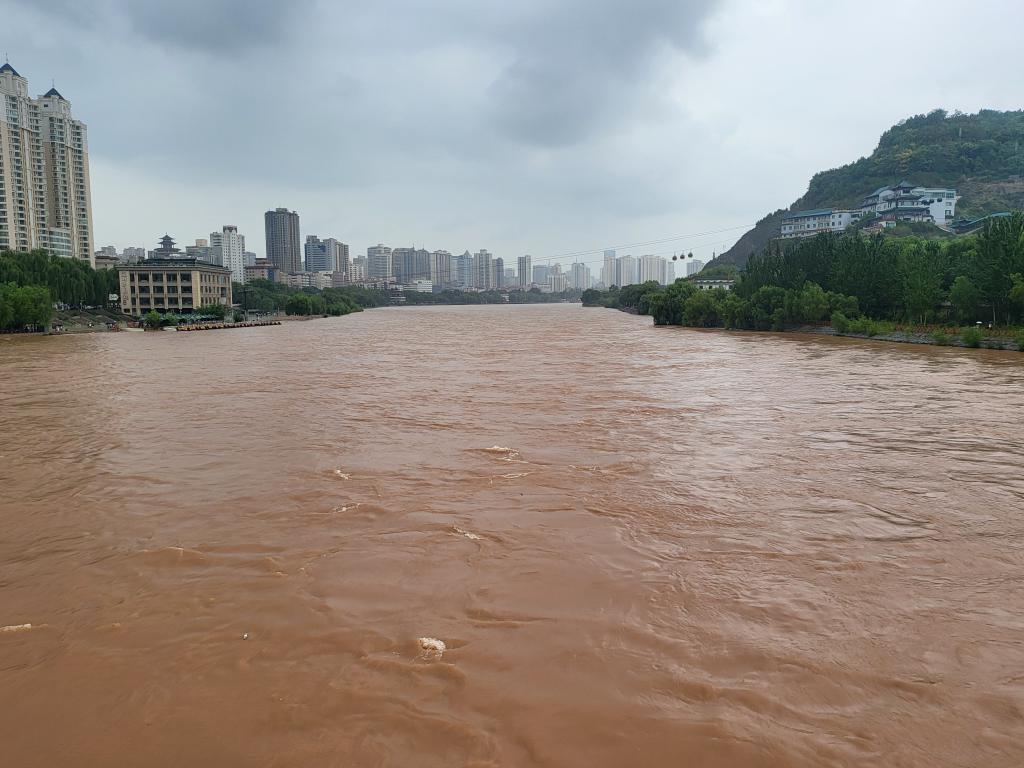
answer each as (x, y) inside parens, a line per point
(639, 546)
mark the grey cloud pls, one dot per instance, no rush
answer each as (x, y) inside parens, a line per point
(211, 26)
(579, 67)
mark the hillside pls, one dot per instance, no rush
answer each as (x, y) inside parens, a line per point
(980, 155)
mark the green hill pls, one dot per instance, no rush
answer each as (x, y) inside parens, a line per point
(981, 156)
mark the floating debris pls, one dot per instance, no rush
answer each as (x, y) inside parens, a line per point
(467, 534)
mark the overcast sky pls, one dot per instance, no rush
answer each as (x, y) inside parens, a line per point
(534, 126)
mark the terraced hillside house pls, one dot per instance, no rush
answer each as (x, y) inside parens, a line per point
(912, 202)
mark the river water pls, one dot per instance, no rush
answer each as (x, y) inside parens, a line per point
(640, 546)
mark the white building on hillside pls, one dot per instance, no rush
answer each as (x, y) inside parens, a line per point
(813, 222)
(911, 202)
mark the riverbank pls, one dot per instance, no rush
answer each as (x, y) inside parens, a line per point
(936, 336)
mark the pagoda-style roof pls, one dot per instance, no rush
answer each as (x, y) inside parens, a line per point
(8, 68)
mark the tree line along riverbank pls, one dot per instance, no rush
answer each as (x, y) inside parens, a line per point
(39, 291)
(968, 291)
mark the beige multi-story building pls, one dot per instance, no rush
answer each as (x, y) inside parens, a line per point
(168, 282)
(45, 197)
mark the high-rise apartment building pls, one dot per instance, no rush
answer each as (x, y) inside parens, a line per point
(525, 271)
(441, 269)
(229, 251)
(610, 270)
(626, 271)
(579, 276)
(693, 267)
(541, 274)
(464, 271)
(410, 264)
(498, 265)
(378, 263)
(483, 270)
(45, 196)
(283, 250)
(325, 255)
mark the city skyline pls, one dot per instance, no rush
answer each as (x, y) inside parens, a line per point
(637, 125)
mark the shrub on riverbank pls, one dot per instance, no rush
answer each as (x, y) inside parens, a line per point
(1019, 342)
(971, 337)
(941, 339)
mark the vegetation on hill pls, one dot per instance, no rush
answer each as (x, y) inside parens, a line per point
(854, 281)
(981, 155)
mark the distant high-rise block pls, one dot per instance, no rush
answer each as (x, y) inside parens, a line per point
(483, 270)
(229, 249)
(441, 269)
(282, 229)
(378, 263)
(327, 255)
(525, 271)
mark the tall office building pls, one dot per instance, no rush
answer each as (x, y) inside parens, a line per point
(283, 250)
(378, 263)
(229, 251)
(525, 272)
(325, 255)
(45, 196)
(249, 259)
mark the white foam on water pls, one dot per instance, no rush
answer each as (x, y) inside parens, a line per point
(467, 534)
(18, 628)
(431, 647)
(342, 475)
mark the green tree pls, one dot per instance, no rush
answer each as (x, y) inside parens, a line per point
(812, 304)
(152, 320)
(702, 309)
(921, 280)
(213, 310)
(965, 298)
